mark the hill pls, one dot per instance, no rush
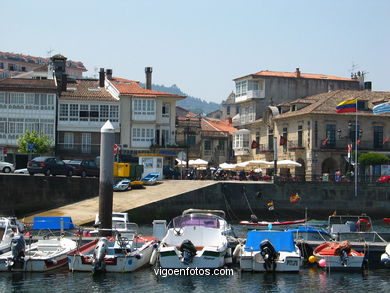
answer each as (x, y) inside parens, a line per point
(195, 105)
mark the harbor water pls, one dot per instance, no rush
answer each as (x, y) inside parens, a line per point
(145, 280)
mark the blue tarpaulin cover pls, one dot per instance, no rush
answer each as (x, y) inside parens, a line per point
(52, 223)
(281, 240)
(308, 230)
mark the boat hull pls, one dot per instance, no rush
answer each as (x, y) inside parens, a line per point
(32, 264)
(286, 262)
(119, 263)
(170, 257)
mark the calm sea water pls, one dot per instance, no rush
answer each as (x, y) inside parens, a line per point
(308, 280)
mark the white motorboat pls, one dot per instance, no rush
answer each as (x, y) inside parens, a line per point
(120, 224)
(197, 238)
(41, 256)
(273, 251)
(9, 227)
(113, 254)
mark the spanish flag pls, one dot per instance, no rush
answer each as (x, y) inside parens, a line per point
(294, 198)
(346, 106)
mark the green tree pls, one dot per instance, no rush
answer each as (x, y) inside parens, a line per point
(34, 142)
(373, 159)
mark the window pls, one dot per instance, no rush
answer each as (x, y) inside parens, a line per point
(143, 134)
(1, 65)
(270, 139)
(11, 67)
(300, 136)
(84, 112)
(330, 134)
(241, 87)
(159, 163)
(241, 140)
(147, 162)
(361, 105)
(378, 137)
(191, 140)
(164, 137)
(165, 111)
(74, 112)
(253, 85)
(352, 132)
(64, 112)
(258, 141)
(285, 135)
(47, 127)
(103, 113)
(68, 140)
(86, 143)
(16, 98)
(32, 124)
(207, 145)
(114, 113)
(143, 107)
(221, 144)
(228, 110)
(94, 112)
(2, 98)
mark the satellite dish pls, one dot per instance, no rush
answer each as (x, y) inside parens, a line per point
(182, 156)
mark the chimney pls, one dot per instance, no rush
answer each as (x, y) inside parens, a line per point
(109, 73)
(368, 85)
(101, 77)
(298, 72)
(64, 82)
(148, 73)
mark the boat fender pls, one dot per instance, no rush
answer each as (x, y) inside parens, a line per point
(138, 256)
(228, 257)
(237, 251)
(363, 225)
(153, 258)
(385, 259)
(344, 258)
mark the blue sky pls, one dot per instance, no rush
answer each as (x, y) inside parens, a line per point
(202, 45)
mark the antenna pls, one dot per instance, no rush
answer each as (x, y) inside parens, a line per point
(49, 52)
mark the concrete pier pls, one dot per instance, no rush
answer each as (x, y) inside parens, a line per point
(84, 211)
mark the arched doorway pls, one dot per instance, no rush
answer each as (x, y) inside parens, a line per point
(300, 172)
(329, 166)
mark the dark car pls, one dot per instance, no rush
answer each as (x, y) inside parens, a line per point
(84, 168)
(170, 173)
(49, 166)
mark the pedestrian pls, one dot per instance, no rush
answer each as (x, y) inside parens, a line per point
(337, 176)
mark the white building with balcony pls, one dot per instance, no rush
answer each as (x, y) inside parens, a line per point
(147, 117)
(83, 109)
(25, 104)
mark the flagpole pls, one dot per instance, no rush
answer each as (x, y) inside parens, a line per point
(356, 147)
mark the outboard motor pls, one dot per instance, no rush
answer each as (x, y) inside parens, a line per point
(18, 245)
(343, 250)
(188, 251)
(101, 249)
(269, 254)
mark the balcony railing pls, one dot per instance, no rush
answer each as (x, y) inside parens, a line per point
(264, 148)
(294, 145)
(255, 94)
(342, 144)
(76, 149)
(205, 133)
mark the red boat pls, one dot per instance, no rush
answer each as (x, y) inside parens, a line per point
(277, 223)
(386, 220)
(339, 255)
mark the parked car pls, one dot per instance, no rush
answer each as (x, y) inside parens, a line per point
(384, 179)
(84, 168)
(170, 173)
(6, 167)
(49, 166)
(151, 178)
(122, 185)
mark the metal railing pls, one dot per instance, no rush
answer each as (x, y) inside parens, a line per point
(65, 148)
(342, 143)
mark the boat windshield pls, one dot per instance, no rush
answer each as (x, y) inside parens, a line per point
(208, 221)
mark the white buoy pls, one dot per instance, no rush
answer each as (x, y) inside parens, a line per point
(153, 258)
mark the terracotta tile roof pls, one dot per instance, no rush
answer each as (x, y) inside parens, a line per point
(326, 103)
(268, 73)
(37, 60)
(27, 83)
(132, 88)
(86, 89)
(217, 125)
